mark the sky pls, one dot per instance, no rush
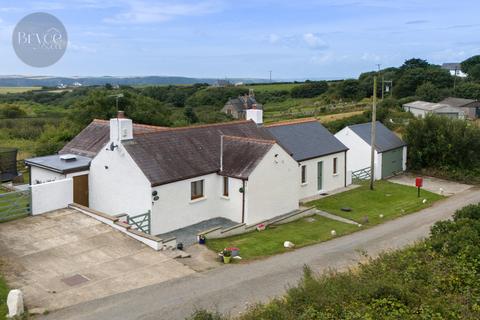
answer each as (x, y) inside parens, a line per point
(295, 39)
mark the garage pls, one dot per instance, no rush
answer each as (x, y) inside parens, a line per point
(392, 162)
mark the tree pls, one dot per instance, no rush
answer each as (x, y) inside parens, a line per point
(411, 79)
(191, 115)
(414, 63)
(350, 89)
(468, 64)
(428, 92)
(474, 73)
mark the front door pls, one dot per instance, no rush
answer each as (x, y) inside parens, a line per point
(320, 175)
(80, 190)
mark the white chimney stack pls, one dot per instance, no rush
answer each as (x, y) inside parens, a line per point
(255, 114)
(121, 128)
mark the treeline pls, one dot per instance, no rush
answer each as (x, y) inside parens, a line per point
(445, 147)
(435, 279)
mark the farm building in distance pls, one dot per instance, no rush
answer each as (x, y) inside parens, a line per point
(237, 107)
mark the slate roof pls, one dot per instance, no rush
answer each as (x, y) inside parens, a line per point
(385, 139)
(306, 139)
(182, 153)
(96, 135)
(452, 66)
(56, 164)
(457, 102)
(241, 155)
(424, 105)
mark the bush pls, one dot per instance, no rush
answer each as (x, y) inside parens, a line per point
(309, 89)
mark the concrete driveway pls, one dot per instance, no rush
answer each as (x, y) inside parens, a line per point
(435, 185)
(231, 288)
(64, 258)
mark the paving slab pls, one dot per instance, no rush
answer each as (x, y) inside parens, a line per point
(432, 184)
(65, 257)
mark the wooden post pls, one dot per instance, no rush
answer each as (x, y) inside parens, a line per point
(372, 140)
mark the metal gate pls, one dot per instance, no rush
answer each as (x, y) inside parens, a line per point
(14, 205)
(362, 174)
(140, 222)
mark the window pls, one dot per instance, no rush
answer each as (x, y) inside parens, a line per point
(225, 186)
(335, 165)
(304, 174)
(197, 189)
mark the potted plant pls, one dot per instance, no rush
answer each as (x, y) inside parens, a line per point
(227, 256)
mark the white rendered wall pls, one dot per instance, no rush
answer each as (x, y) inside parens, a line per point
(40, 175)
(117, 185)
(331, 181)
(51, 196)
(174, 209)
(358, 155)
(404, 164)
(272, 188)
(419, 113)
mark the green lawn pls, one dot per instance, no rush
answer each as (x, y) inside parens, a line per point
(269, 242)
(390, 199)
(3, 298)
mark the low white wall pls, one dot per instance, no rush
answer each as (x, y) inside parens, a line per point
(51, 196)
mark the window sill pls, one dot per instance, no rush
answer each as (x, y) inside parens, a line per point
(304, 184)
(198, 200)
(225, 197)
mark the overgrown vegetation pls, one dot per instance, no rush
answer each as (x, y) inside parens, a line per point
(444, 147)
(435, 279)
(3, 298)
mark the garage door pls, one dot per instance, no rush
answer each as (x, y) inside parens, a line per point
(392, 162)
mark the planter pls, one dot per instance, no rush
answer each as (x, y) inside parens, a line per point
(202, 239)
(227, 260)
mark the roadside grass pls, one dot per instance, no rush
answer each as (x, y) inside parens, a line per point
(390, 199)
(3, 298)
(338, 116)
(302, 232)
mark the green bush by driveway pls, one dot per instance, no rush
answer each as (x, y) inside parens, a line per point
(389, 199)
(3, 298)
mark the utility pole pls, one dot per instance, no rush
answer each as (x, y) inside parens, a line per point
(270, 76)
(372, 141)
(383, 78)
(455, 78)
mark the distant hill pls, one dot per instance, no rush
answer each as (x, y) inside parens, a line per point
(39, 81)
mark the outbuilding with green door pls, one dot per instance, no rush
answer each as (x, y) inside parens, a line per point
(390, 150)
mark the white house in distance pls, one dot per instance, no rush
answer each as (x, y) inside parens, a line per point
(455, 69)
(322, 160)
(390, 150)
(421, 109)
(236, 170)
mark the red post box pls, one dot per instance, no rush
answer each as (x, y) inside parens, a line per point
(419, 182)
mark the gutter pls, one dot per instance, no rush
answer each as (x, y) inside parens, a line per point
(243, 201)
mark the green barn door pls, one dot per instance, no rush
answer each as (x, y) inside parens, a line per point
(320, 175)
(392, 162)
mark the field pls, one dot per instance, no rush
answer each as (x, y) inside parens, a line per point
(273, 87)
(4, 90)
(388, 199)
(338, 116)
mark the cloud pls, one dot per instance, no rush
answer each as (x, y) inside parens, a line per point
(417, 22)
(140, 12)
(313, 41)
(310, 40)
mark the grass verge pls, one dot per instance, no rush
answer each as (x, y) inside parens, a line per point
(302, 232)
(3, 298)
(388, 199)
